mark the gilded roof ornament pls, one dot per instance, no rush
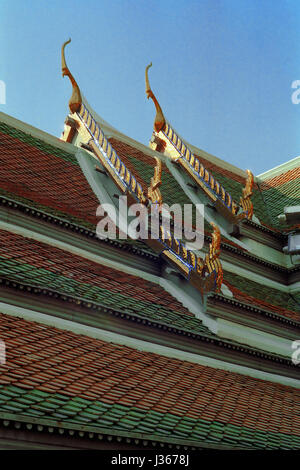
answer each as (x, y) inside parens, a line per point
(214, 247)
(212, 259)
(76, 100)
(159, 121)
(154, 193)
(245, 201)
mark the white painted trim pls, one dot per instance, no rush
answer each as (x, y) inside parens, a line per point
(101, 193)
(144, 346)
(254, 338)
(191, 304)
(294, 288)
(267, 253)
(258, 277)
(226, 291)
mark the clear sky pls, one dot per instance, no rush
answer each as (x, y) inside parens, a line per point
(222, 69)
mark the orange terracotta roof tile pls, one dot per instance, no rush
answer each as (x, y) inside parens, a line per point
(59, 184)
(145, 383)
(283, 178)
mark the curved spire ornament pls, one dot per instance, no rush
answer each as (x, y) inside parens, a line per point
(75, 100)
(159, 121)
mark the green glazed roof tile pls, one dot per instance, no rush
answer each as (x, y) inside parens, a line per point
(157, 423)
(38, 143)
(265, 293)
(32, 412)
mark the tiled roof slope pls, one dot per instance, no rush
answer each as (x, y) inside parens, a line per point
(142, 165)
(75, 379)
(37, 264)
(234, 184)
(59, 184)
(280, 191)
(263, 296)
(60, 188)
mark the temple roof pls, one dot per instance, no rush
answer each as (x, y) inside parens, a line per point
(143, 339)
(60, 189)
(56, 376)
(35, 265)
(280, 187)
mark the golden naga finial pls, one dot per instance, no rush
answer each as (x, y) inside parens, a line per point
(154, 193)
(76, 100)
(245, 201)
(214, 247)
(247, 191)
(212, 261)
(159, 121)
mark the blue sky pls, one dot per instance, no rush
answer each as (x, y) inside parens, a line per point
(222, 69)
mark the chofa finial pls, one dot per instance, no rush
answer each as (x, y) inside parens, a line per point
(159, 121)
(76, 100)
(212, 259)
(245, 200)
(154, 193)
